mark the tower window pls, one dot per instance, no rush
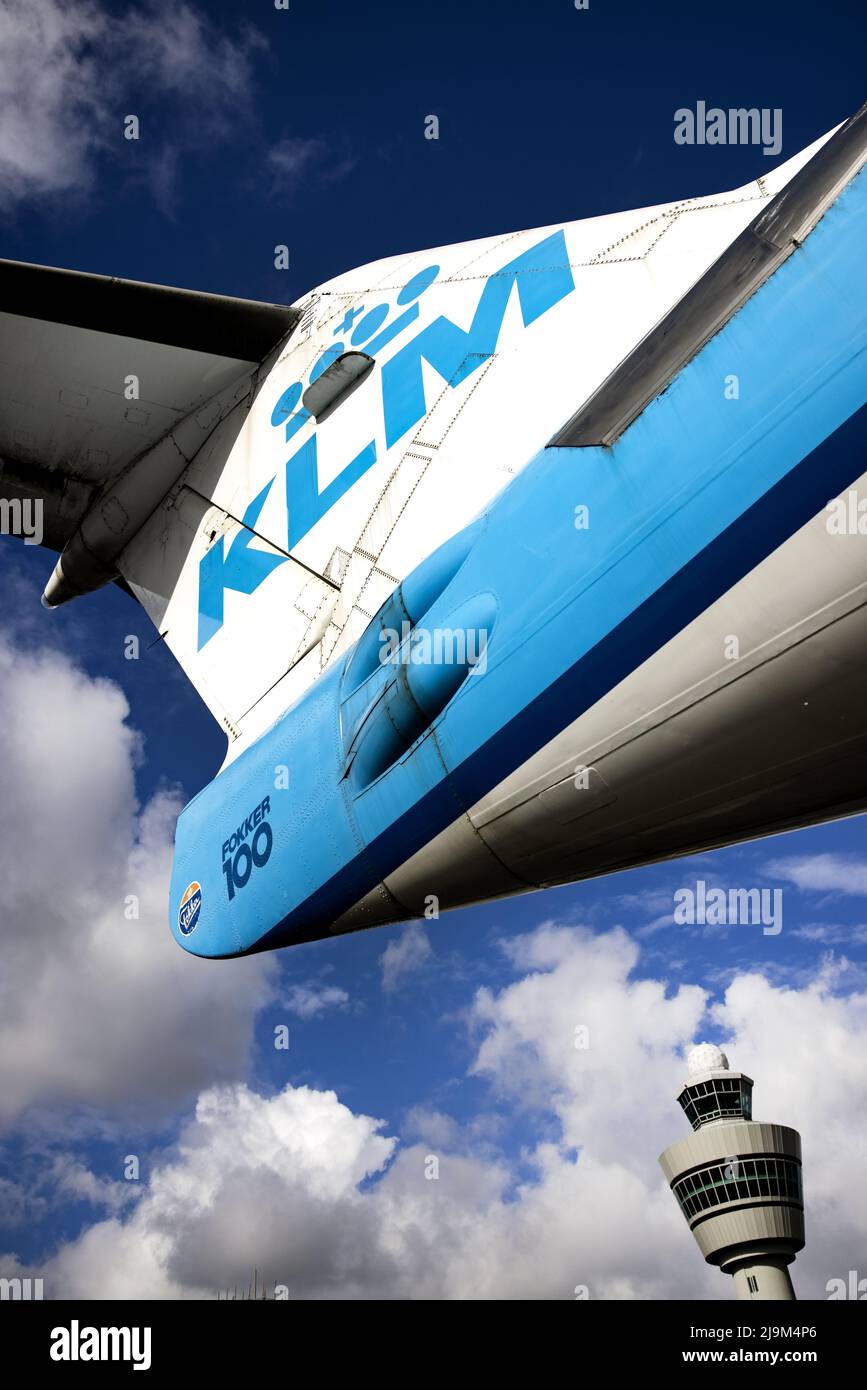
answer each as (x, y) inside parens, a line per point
(746, 1179)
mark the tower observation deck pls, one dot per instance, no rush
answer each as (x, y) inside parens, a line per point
(737, 1181)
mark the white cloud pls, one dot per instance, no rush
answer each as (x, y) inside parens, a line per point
(68, 1177)
(835, 873)
(50, 114)
(298, 159)
(293, 156)
(97, 1012)
(431, 1127)
(106, 1018)
(317, 1198)
(404, 956)
(636, 1033)
(19, 1203)
(309, 1000)
(270, 1183)
(66, 67)
(177, 48)
(834, 933)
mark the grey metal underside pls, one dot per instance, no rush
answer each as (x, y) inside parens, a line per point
(68, 343)
(741, 270)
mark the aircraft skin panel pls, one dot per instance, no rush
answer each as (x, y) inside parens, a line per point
(699, 491)
(515, 330)
(456, 548)
(691, 750)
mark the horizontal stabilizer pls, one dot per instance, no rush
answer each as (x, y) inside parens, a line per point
(95, 370)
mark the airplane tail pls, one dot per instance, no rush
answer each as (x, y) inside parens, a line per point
(282, 487)
(261, 477)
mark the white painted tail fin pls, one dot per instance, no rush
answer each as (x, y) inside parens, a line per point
(283, 517)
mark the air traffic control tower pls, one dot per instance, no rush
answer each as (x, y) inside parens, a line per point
(738, 1181)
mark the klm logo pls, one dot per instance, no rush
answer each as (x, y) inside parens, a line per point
(540, 277)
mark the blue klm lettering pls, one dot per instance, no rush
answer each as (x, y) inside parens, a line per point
(542, 276)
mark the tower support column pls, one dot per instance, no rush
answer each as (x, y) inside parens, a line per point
(763, 1280)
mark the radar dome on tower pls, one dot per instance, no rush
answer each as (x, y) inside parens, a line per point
(706, 1057)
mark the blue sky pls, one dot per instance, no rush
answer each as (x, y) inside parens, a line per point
(452, 1039)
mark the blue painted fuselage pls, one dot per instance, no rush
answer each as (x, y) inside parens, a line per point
(380, 756)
